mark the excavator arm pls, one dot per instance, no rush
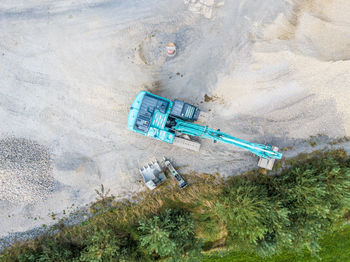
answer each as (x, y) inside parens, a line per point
(263, 151)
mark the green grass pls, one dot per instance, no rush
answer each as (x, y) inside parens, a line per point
(335, 248)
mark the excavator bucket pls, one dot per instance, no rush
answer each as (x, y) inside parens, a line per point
(182, 183)
(267, 163)
(152, 175)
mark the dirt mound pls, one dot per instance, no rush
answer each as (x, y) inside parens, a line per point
(317, 29)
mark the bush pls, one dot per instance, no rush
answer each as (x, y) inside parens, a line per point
(171, 234)
(51, 250)
(253, 221)
(315, 193)
(107, 245)
(291, 210)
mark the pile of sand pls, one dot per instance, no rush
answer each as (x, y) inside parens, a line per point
(298, 79)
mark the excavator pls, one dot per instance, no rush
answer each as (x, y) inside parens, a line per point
(173, 122)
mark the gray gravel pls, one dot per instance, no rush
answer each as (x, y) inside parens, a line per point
(25, 171)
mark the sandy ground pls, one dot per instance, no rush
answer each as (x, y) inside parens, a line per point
(277, 72)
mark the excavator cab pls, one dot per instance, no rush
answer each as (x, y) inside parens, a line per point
(184, 111)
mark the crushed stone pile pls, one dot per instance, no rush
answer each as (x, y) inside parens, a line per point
(25, 171)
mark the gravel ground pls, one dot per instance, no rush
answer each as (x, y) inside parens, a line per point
(25, 171)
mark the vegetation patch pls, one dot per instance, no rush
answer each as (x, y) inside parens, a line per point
(334, 247)
(255, 214)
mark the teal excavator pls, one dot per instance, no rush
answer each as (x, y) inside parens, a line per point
(173, 122)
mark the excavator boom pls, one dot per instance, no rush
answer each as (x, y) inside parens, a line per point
(192, 129)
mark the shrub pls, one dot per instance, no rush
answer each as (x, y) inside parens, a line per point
(253, 221)
(51, 250)
(108, 245)
(315, 193)
(293, 209)
(171, 234)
